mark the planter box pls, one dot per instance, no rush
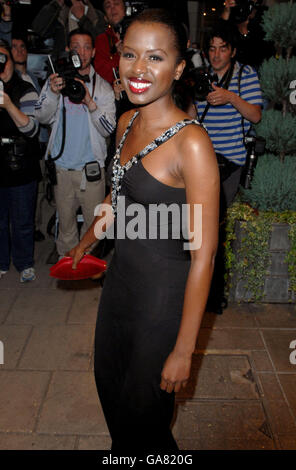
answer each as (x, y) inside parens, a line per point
(276, 282)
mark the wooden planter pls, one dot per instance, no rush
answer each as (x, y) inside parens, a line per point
(276, 282)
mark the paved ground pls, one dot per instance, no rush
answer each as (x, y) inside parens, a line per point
(241, 395)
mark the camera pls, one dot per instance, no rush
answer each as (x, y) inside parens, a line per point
(67, 66)
(136, 7)
(202, 83)
(14, 150)
(132, 10)
(242, 10)
(92, 171)
(255, 146)
(3, 60)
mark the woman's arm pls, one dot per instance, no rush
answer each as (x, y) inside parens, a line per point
(201, 176)
(100, 225)
(104, 220)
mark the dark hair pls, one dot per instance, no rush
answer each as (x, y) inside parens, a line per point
(224, 32)
(19, 37)
(82, 32)
(162, 16)
(5, 45)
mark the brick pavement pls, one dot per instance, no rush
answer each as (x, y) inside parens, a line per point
(241, 394)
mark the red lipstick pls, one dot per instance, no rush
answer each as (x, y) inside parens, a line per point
(138, 85)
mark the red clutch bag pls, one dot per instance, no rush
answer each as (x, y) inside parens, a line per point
(87, 267)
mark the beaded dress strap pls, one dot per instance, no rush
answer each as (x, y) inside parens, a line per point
(119, 170)
(122, 140)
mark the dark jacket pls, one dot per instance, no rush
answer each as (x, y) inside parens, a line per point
(19, 162)
(52, 22)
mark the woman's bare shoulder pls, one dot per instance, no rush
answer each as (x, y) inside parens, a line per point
(195, 148)
(193, 137)
(125, 119)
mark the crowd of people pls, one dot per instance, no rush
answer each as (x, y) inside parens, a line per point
(128, 93)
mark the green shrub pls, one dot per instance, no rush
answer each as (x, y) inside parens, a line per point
(275, 78)
(273, 185)
(279, 24)
(278, 131)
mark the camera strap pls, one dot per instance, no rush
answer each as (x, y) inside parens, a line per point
(94, 84)
(226, 78)
(64, 122)
(239, 92)
(53, 159)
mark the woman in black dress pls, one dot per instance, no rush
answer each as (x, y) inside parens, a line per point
(155, 291)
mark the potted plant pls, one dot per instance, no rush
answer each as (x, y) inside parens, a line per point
(260, 246)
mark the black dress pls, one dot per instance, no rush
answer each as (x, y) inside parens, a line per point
(139, 315)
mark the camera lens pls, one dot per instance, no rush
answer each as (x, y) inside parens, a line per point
(3, 60)
(202, 85)
(74, 90)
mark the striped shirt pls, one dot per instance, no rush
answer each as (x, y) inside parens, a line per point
(224, 122)
(27, 106)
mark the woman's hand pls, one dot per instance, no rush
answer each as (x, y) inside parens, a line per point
(77, 254)
(175, 372)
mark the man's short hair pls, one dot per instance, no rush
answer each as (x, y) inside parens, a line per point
(224, 32)
(20, 37)
(82, 32)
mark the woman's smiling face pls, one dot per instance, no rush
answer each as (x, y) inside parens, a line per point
(148, 63)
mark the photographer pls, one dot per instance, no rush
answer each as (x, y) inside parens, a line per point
(245, 16)
(5, 21)
(19, 168)
(78, 137)
(108, 44)
(232, 102)
(236, 96)
(19, 53)
(57, 19)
